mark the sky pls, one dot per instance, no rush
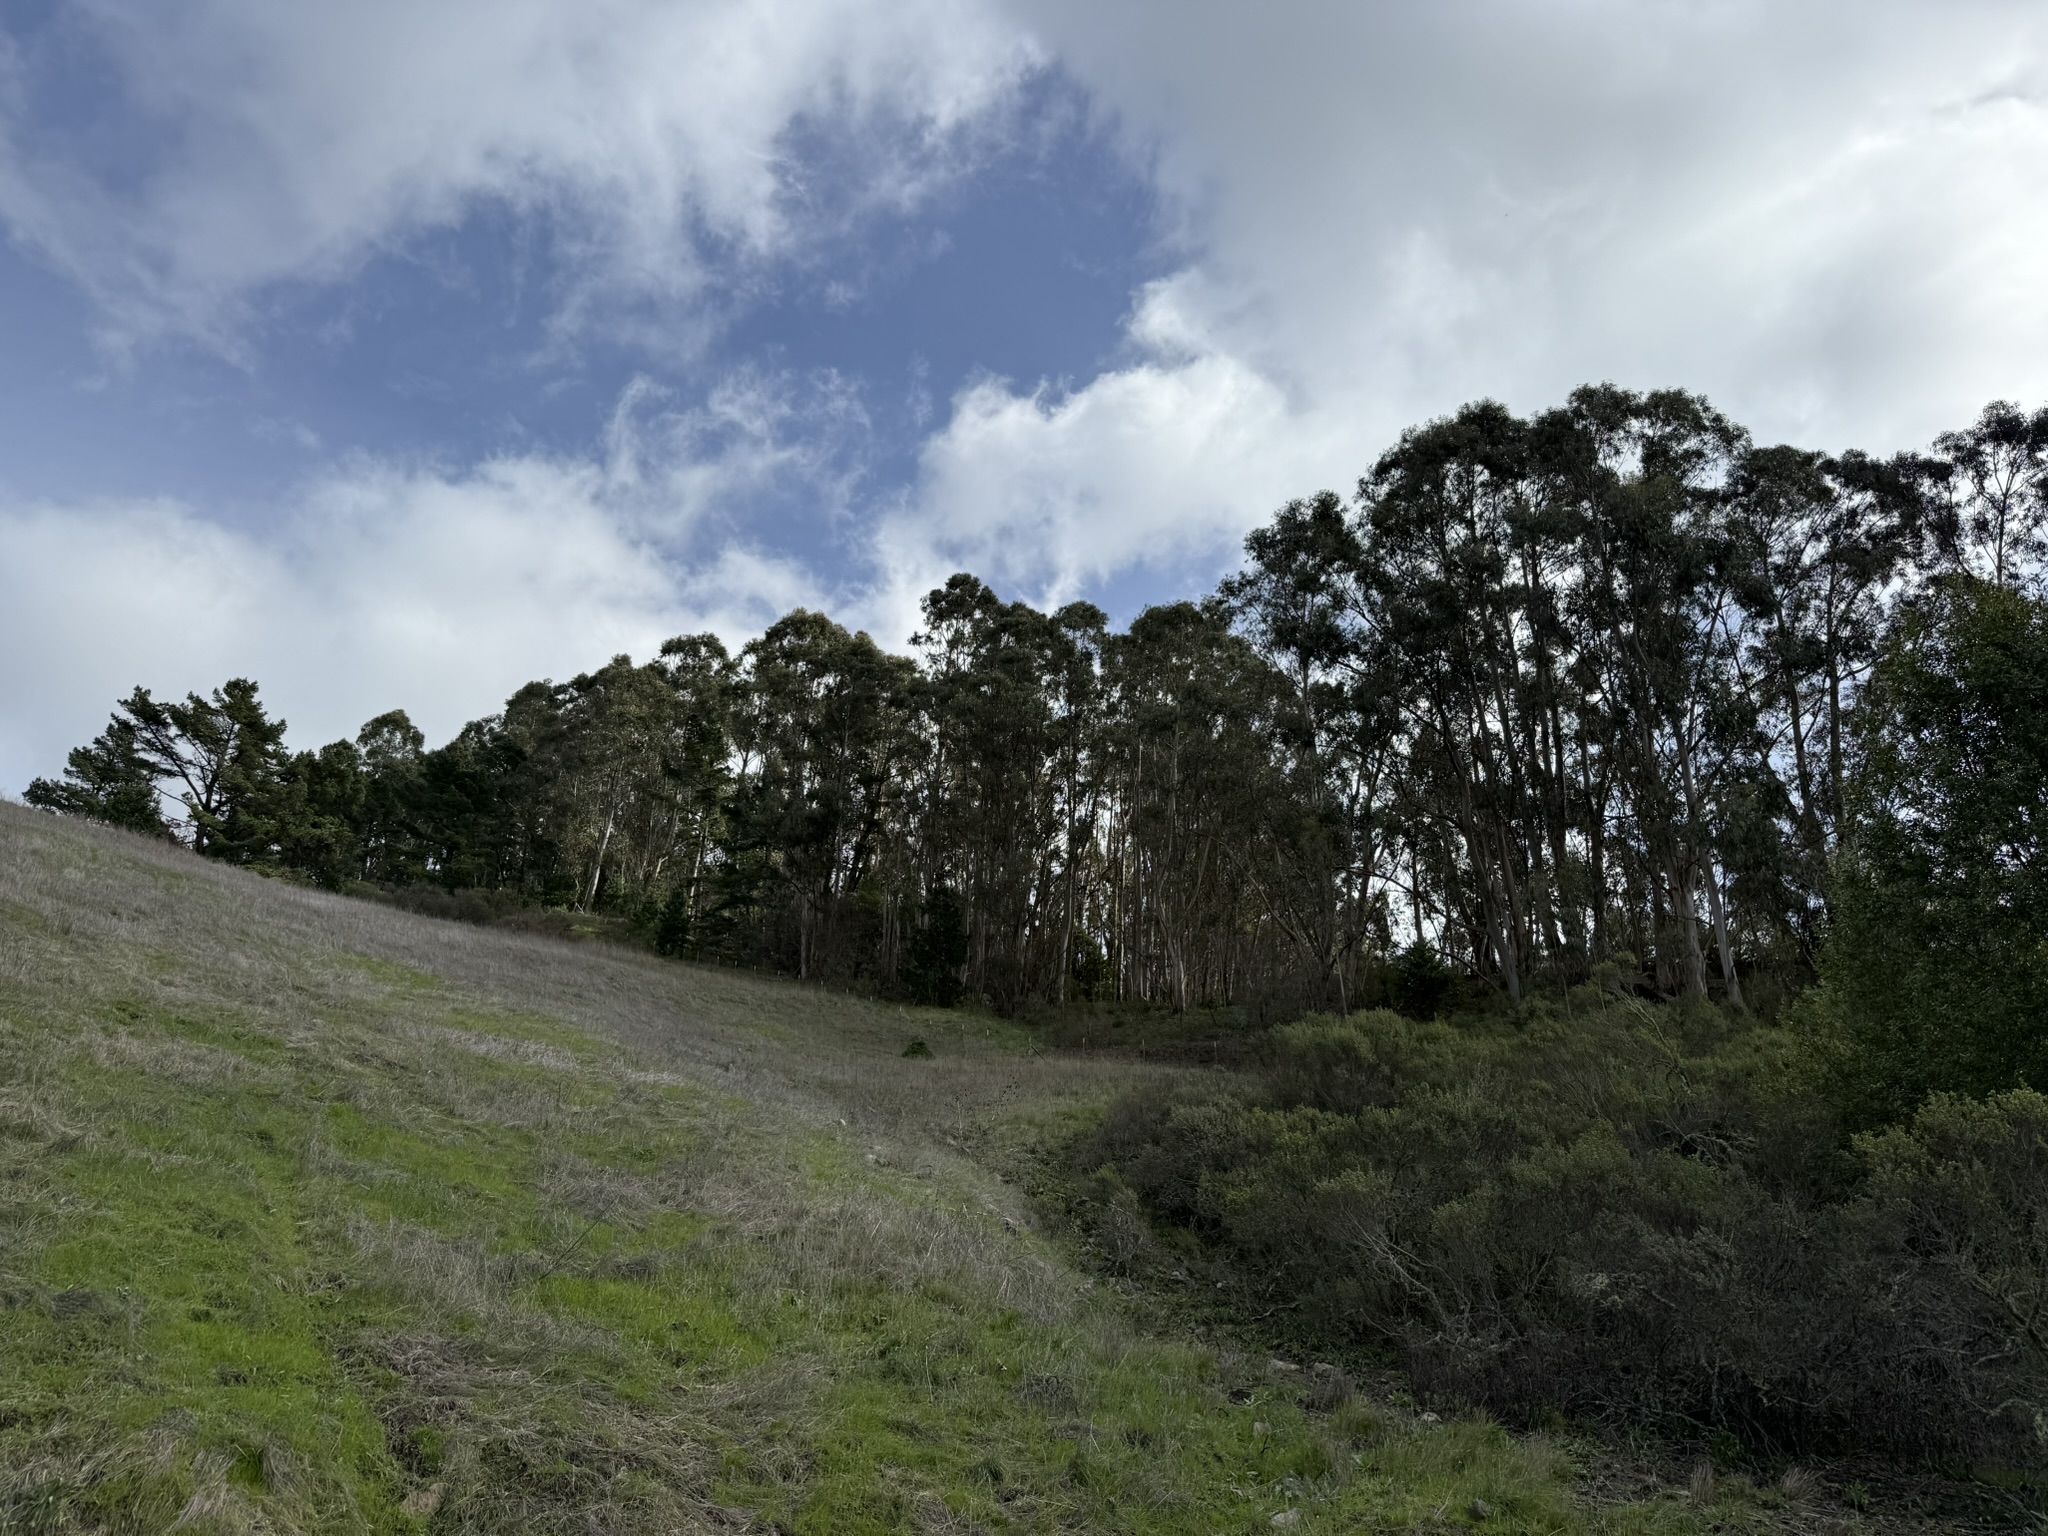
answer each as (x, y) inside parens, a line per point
(396, 353)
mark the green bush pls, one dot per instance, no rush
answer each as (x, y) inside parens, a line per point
(1622, 1216)
(1956, 1218)
(1935, 976)
(1418, 981)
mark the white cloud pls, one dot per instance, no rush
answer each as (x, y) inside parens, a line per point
(1827, 218)
(387, 587)
(1433, 202)
(286, 143)
(1153, 465)
(681, 468)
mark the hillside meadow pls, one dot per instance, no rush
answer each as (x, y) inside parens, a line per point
(316, 1215)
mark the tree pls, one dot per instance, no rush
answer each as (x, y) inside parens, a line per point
(1935, 974)
(998, 678)
(110, 779)
(821, 739)
(221, 756)
(1187, 752)
(1547, 694)
(1995, 524)
(317, 810)
(1320, 844)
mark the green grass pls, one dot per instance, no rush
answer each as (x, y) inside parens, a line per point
(315, 1216)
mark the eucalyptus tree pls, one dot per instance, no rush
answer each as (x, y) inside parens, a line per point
(1994, 521)
(1322, 843)
(1783, 518)
(821, 736)
(1548, 693)
(1822, 547)
(1188, 758)
(689, 805)
(609, 748)
(1079, 772)
(991, 817)
(1437, 515)
(1673, 592)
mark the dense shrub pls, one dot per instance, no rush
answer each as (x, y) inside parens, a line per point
(1621, 1215)
(1935, 977)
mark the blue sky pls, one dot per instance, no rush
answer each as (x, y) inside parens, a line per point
(448, 345)
(396, 353)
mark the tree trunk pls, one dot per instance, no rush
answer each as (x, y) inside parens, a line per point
(1718, 907)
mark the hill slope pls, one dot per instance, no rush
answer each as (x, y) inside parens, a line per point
(318, 1216)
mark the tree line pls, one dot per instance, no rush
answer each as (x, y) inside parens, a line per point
(1546, 697)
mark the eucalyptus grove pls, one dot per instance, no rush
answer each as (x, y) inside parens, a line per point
(1541, 696)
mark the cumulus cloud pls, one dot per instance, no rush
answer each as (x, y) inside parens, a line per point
(272, 144)
(1052, 493)
(1827, 218)
(1414, 205)
(387, 586)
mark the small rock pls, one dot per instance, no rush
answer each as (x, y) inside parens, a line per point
(422, 1502)
(1287, 1517)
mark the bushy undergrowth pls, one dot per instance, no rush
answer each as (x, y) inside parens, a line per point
(1622, 1214)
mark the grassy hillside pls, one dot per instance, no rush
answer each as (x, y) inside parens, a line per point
(318, 1216)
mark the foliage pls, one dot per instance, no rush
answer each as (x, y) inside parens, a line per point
(1546, 697)
(108, 780)
(221, 757)
(1936, 975)
(1419, 982)
(1615, 1215)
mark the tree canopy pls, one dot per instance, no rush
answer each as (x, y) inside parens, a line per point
(1610, 689)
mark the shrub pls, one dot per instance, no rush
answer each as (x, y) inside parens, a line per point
(1418, 982)
(1594, 1216)
(672, 924)
(1956, 1217)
